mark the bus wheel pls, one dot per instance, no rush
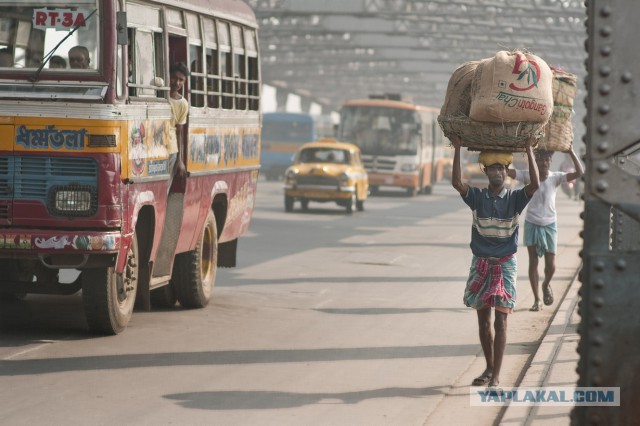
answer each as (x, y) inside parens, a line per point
(427, 190)
(163, 297)
(288, 203)
(373, 190)
(411, 191)
(194, 272)
(109, 297)
(305, 204)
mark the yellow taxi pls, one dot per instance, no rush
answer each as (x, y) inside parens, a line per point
(326, 170)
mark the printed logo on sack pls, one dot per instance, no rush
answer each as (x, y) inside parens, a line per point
(528, 73)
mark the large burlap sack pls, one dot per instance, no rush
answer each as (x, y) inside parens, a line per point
(564, 87)
(457, 101)
(512, 86)
(558, 135)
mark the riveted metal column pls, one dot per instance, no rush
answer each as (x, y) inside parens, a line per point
(610, 306)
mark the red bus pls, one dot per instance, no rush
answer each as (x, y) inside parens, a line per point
(83, 164)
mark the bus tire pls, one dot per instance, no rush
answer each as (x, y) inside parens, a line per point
(163, 297)
(411, 191)
(288, 203)
(108, 297)
(427, 190)
(304, 202)
(194, 272)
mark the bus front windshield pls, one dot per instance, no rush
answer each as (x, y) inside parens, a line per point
(61, 34)
(381, 130)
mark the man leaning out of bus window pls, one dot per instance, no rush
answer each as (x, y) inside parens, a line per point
(179, 111)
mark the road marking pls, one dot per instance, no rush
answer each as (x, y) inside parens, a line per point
(26, 351)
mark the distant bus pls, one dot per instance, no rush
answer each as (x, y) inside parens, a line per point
(401, 143)
(282, 134)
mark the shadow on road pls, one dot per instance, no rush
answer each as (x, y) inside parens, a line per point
(264, 400)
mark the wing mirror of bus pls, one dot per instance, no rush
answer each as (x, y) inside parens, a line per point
(121, 28)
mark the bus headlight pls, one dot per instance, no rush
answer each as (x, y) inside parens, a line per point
(73, 200)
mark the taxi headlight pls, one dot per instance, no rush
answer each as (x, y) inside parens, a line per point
(345, 178)
(73, 200)
(291, 174)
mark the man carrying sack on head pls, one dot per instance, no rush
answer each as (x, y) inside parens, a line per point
(494, 242)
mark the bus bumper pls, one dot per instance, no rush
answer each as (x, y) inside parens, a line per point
(61, 249)
(393, 179)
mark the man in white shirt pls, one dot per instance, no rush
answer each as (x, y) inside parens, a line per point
(540, 230)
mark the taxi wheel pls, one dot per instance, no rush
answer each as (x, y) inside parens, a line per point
(351, 203)
(305, 204)
(288, 203)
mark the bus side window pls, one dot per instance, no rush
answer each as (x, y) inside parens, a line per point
(253, 78)
(239, 68)
(131, 62)
(213, 79)
(254, 83)
(226, 66)
(146, 69)
(197, 76)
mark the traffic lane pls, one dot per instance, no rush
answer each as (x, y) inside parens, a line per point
(331, 338)
(325, 223)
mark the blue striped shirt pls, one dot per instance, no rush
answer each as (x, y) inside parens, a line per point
(495, 220)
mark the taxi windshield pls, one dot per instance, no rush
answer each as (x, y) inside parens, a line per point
(325, 155)
(29, 30)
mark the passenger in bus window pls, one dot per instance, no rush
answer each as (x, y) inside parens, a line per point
(79, 57)
(179, 72)
(57, 62)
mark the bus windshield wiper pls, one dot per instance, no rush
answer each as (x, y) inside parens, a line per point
(48, 56)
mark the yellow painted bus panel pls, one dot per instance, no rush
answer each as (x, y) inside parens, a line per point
(61, 135)
(221, 149)
(6, 138)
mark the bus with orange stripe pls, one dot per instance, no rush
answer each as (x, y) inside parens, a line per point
(401, 143)
(84, 125)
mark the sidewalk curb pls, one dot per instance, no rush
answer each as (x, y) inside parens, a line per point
(537, 371)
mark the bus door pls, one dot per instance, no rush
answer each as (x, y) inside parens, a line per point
(178, 53)
(175, 200)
